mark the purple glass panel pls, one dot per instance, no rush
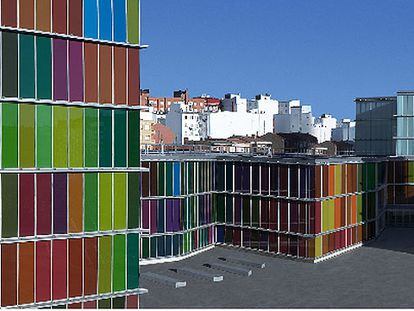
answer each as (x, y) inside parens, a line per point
(238, 176)
(75, 71)
(246, 177)
(177, 216)
(153, 221)
(265, 179)
(237, 210)
(145, 214)
(170, 216)
(60, 77)
(59, 203)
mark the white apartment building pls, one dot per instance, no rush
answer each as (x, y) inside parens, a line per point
(186, 125)
(296, 118)
(344, 131)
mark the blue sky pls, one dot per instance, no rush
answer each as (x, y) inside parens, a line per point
(324, 52)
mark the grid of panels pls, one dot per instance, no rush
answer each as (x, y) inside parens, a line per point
(176, 208)
(69, 157)
(41, 68)
(106, 20)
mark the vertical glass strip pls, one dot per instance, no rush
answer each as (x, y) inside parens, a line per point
(75, 202)
(9, 64)
(119, 20)
(75, 17)
(75, 267)
(90, 11)
(91, 72)
(105, 138)
(105, 74)
(9, 13)
(133, 138)
(132, 260)
(120, 146)
(91, 137)
(133, 21)
(60, 136)
(76, 137)
(59, 16)
(9, 199)
(75, 71)
(133, 77)
(27, 66)
(26, 273)
(43, 16)
(105, 258)
(10, 130)
(59, 203)
(120, 200)
(26, 205)
(91, 202)
(44, 203)
(26, 14)
(133, 201)
(105, 201)
(118, 272)
(60, 76)
(44, 136)
(8, 274)
(27, 136)
(105, 20)
(44, 67)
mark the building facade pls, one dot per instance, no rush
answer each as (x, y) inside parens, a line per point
(70, 162)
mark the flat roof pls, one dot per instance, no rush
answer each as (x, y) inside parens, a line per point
(375, 99)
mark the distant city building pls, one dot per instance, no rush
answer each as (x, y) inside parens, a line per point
(186, 124)
(345, 131)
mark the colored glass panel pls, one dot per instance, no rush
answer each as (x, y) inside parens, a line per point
(132, 261)
(91, 202)
(44, 136)
(59, 16)
(120, 137)
(43, 271)
(119, 20)
(76, 137)
(27, 136)
(75, 17)
(105, 74)
(9, 63)
(26, 273)
(91, 266)
(59, 268)
(105, 201)
(8, 275)
(118, 272)
(60, 136)
(27, 66)
(43, 16)
(133, 21)
(105, 20)
(9, 13)
(26, 12)
(133, 77)
(105, 258)
(75, 71)
(133, 201)
(75, 267)
(91, 137)
(59, 203)
(26, 205)
(9, 199)
(105, 138)
(44, 203)
(133, 138)
(120, 200)
(120, 75)
(44, 67)
(75, 202)
(90, 11)
(9, 135)
(60, 77)
(91, 72)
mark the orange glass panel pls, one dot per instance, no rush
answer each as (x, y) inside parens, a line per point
(26, 273)
(75, 202)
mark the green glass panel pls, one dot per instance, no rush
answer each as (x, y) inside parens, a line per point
(118, 273)
(221, 208)
(120, 200)
(133, 201)
(9, 199)
(190, 177)
(91, 202)
(9, 135)
(105, 138)
(120, 120)
(105, 254)
(76, 137)
(60, 137)
(132, 261)
(27, 136)
(118, 303)
(91, 137)
(411, 172)
(9, 64)
(133, 21)
(104, 304)
(27, 67)
(44, 136)
(169, 178)
(44, 67)
(105, 201)
(133, 138)
(145, 248)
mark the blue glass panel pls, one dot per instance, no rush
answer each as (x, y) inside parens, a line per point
(105, 20)
(90, 11)
(119, 21)
(177, 182)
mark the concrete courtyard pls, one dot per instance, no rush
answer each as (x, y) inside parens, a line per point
(380, 274)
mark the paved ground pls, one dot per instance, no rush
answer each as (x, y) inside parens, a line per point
(380, 274)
